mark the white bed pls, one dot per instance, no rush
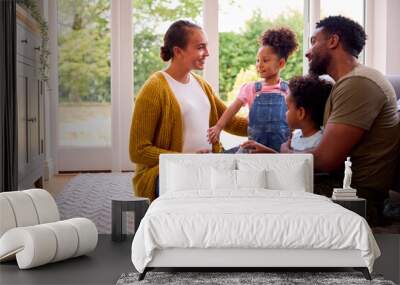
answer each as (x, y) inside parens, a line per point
(247, 211)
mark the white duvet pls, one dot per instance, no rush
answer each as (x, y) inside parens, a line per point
(250, 219)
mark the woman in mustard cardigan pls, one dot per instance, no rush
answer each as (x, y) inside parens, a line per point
(175, 108)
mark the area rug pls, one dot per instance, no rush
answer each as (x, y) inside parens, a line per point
(243, 278)
(90, 195)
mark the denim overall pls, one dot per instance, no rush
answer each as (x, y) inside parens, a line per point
(267, 118)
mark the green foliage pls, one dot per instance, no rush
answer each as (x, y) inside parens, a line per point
(84, 41)
(146, 56)
(295, 21)
(84, 50)
(147, 41)
(85, 67)
(232, 59)
(148, 14)
(244, 76)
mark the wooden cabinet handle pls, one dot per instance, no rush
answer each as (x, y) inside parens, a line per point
(32, 120)
(24, 41)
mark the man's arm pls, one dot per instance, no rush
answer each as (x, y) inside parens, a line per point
(355, 104)
(336, 143)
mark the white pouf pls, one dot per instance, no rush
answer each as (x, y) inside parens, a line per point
(31, 232)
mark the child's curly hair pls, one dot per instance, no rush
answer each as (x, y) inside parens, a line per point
(282, 40)
(311, 93)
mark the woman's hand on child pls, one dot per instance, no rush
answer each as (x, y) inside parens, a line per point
(255, 147)
(213, 134)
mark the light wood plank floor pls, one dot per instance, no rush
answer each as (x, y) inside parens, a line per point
(56, 183)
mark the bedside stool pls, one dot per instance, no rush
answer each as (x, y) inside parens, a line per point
(357, 205)
(138, 205)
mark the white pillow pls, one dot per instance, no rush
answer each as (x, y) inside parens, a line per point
(194, 174)
(281, 174)
(182, 177)
(251, 178)
(223, 179)
(291, 180)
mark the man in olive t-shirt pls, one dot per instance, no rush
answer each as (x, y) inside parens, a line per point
(366, 100)
(360, 119)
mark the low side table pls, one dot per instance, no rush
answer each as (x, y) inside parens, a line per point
(119, 207)
(357, 205)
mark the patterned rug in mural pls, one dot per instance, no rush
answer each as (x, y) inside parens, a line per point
(89, 196)
(244, 278)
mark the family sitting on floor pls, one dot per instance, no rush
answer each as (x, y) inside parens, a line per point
(177, 111)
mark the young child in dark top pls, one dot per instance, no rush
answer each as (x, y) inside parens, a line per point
(306, 105)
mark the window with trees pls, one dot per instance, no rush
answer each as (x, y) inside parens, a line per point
(84, 37)
(85, 53)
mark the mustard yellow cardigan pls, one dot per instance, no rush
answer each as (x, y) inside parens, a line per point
(157, 127)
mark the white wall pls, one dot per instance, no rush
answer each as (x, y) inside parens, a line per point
(121, 83)
(384, 36)
(51, 117)
(210, 25)
(393, 37)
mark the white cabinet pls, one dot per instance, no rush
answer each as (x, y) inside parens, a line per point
(30, 101)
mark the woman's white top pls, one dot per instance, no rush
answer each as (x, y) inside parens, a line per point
(300, 143)
(195, 109)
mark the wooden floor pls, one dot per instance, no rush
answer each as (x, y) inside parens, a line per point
(56, 183)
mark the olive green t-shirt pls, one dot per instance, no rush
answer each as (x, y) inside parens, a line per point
(365, 99)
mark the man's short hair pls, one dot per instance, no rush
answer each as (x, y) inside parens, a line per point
(351, 34)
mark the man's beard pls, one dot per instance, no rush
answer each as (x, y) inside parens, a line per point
(319, 66)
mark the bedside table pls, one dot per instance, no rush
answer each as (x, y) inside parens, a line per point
(119, 207)
(357, 205)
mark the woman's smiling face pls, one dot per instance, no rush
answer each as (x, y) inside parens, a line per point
(193, 56)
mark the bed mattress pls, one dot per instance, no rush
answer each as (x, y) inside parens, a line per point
(250, 219)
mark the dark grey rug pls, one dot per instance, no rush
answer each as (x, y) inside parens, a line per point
(229, 278)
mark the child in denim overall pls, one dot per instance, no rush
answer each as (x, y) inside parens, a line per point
(266, 98)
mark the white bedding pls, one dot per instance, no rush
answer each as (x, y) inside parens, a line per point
(251, 218)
